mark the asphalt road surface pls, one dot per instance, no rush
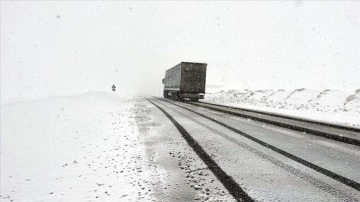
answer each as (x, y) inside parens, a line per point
(262, 162)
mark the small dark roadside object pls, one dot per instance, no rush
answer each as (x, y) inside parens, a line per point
(113, 87)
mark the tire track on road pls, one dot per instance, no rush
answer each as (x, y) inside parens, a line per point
(282, 124)
(298, 173)
(339, 178)
(229, 183)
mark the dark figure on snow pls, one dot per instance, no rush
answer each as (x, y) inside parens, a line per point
(113, 87)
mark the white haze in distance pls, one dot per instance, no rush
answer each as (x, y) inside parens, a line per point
(59, 48)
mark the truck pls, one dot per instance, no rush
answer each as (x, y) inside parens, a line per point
(185, 81)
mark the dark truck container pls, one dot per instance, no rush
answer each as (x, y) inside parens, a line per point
(185, 80)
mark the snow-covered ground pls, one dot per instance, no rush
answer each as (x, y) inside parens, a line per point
(71, 149)
(327, 106)
(98, 146)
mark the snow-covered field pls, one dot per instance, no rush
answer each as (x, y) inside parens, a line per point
(327, 106)
(98, 146)
(71, 149)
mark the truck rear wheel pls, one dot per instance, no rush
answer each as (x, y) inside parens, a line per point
(194, 99)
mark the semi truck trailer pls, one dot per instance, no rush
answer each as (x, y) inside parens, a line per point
(185, 81)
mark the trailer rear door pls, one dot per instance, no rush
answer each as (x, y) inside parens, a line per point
(193, 78)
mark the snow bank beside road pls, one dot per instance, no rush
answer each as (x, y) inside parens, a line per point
(329, 105)
(353, 101)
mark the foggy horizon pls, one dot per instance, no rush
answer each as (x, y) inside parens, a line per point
(59, 48)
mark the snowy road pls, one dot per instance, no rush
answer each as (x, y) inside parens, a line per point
(266, 174)
(107, 147)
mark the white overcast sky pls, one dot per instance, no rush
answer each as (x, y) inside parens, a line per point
(57, 48)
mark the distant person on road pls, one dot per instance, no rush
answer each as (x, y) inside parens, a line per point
(113, 87)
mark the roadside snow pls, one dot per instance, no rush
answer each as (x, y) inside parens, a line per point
(77, 148)
(353, 101)
(331, 106)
